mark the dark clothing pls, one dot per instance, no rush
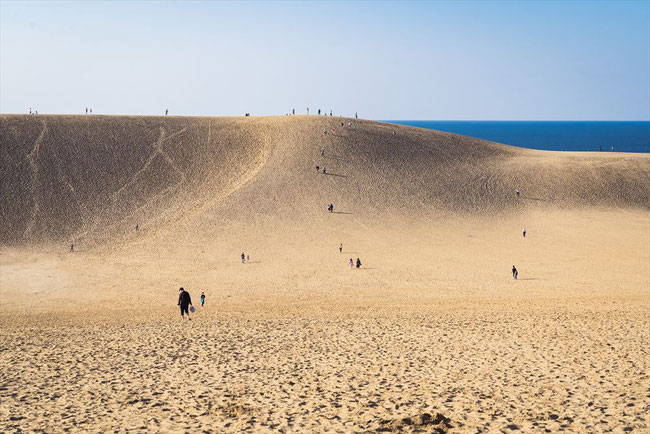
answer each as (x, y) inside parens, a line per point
(185, 309)
(184, 299)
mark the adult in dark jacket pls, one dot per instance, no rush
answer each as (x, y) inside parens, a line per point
(184, 301)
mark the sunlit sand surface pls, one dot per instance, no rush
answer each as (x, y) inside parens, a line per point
(431, 333)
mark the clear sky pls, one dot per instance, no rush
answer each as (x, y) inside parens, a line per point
(406, 60)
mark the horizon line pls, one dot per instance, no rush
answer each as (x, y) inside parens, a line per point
(343, 116)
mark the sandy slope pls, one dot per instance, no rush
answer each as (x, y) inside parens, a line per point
(294, 340)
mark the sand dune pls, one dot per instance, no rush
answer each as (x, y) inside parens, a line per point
(431, 333)
(83, 178)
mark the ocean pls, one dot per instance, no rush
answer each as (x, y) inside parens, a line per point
(632, 136)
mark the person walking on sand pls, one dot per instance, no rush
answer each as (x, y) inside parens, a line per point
(243, 258)
(317, 169)
(318, 112)
(515, 273)
(184, 301)
(523, 232)
(356, 116)
(71, 248)
(358, 263)
(293, 111)
(324, 170)
(248, 258)
(517, 192)
(166, 112)
(341, 248)
(86, 110)
(307, 110)
(351, 264)
(330, 208)
(322, 150)
(202, 298)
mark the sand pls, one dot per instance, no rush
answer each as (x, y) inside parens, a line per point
(431, 334)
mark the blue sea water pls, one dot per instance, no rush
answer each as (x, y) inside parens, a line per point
(631, 136)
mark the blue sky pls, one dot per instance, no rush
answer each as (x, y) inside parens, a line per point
(406, 60)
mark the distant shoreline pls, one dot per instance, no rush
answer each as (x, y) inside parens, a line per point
(585, 136)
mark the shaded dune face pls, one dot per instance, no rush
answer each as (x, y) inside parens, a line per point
(69, 177)
(93, 178)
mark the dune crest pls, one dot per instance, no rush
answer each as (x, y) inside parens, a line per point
(96, 177)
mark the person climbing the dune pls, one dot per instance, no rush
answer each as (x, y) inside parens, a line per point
(523, 232)
(71, 248)
(322, 150)
(515, 273)
(330, 208)
(243, 258)
(184, 301)
(358, 263)
(324, 170)
(202, 298)
(517, 192)
(341, 248)
(351, 263)
(317, 169)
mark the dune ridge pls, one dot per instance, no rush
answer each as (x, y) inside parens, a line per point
(95, 177)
